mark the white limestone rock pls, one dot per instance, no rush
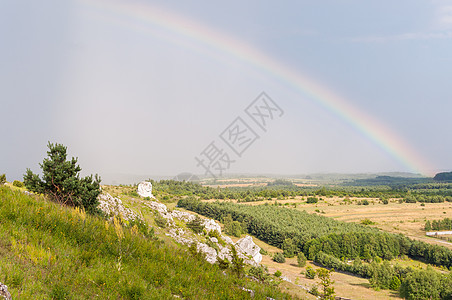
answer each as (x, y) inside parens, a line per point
(224, 253)
(4, 292)
(183, 216)
(161, 209)
(249, 248)
(210, 225)
(227, 239)
(113, 206)
(145, 189)
(210, 254)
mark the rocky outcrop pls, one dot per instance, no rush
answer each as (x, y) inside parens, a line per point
(249, 248)
(210, 225)
(113, 206)
(183, 216)
(210, 254)
(4, 294)
(145, 189)
(245, 247)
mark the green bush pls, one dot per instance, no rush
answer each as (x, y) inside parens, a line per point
(61, 181)
(395, 283)
(196, 225)
(18, 183)
(310, 272)
(2, 178)
(160, 221)
(279, 258)
(301, 259)
(312, 200)
(278, 273)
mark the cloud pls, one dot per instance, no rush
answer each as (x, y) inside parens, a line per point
(403, 37)
(444, 16)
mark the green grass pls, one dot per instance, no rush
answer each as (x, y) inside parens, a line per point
(51, 252)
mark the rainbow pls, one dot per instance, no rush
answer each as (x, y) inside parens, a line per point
(184, 32)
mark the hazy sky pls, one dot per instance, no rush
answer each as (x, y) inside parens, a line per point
(144, 87)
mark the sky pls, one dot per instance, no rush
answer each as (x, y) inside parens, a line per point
(157, 88)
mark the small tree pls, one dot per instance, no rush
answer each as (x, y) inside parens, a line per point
(237, 264)
(2, 178)
(232, 227)
(428, 226)
(301, 259)
(61, 181)
(310, 272)
(326, 283)
(289, 248)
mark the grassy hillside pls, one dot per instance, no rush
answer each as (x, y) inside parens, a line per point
(51, 252)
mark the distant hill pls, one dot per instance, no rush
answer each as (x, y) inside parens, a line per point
(389, 181)
(444, 176)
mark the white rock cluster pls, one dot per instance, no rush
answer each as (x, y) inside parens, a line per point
(145, 189)
(210, 225)
(183, 216)
(4, 292)
(245, 247)
(113, 206)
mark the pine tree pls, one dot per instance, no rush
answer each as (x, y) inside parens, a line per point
(326, 283)
(61, 181)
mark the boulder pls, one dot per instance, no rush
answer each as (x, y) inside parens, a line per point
(4, 292)
(210, 254)
(113, 206)
(145, 189)
(249, 248)
(227, 239)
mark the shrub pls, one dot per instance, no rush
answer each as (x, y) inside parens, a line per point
(301, 259)
(2, 178)
(237, 264)
(312, 200)
(196, 225)
(367, 221)
(18, 183)
(310, 272)
(395, 283)
(314, 290)
(260, 273)
(223, 264)
(160, 221)
(278, 273)
(61, 181)
(279, 258)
